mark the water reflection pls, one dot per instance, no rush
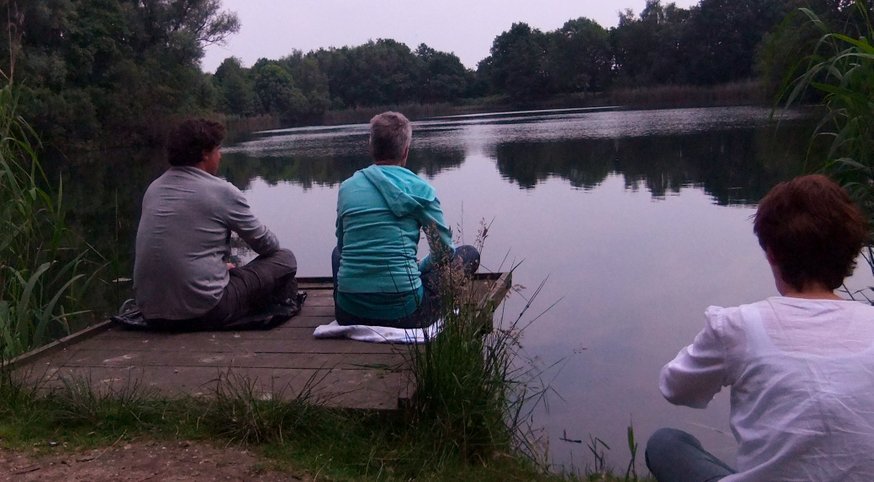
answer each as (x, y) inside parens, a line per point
(734, 166)
(734, 154)
(309, 170)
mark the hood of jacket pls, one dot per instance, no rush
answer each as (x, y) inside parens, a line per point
(403, 191)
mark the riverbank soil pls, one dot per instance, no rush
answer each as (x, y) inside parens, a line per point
(139, 461)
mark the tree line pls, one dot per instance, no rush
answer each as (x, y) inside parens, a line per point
(119, 69)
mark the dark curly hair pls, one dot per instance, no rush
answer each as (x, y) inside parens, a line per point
(188, 141)
(812, 229)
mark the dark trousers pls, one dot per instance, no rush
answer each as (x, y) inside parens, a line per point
(264, 280)
(674, 455)
(466, 257)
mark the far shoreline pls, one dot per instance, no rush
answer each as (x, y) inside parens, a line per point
(744, 93)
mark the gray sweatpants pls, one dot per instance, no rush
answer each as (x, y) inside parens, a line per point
(264, 280)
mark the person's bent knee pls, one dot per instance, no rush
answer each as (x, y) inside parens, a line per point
(664, 439)
(469, 257)
(284, 257)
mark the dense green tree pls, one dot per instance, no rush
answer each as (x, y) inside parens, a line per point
(380, 72)
(579, 57)
(385, 73)
(114, 69)
(647, 49)
(310, 79)
(722, 36)
(236, 95)
(275, 89)
(442, 77)
(334, 63)
(516, 65)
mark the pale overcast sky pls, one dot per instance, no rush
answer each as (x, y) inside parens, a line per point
(273, 28)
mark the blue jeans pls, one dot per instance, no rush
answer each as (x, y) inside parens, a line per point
(428, 310)
(674, 455)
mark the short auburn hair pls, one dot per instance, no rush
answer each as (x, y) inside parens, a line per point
(187, 142)
(812, 229)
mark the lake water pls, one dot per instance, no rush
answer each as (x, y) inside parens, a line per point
(635, 220)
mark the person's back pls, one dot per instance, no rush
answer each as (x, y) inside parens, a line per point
(802, 389)
(800, 366)
(178, 271)
(181, 277)
(381, 211)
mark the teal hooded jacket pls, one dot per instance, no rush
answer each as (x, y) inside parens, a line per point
(381, 211)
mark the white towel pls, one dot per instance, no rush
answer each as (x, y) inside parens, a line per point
(379, 334)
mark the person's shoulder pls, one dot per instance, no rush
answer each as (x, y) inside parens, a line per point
(409, 181)
(403, 172)
(214, 186)
(227, 188)
(356, 179)
(728, 319)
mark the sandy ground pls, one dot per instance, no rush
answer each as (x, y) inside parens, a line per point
(139, 461)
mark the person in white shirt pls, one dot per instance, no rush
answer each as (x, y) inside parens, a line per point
(800, 365)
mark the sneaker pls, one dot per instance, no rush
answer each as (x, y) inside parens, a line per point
(130, 317)
(293, 304)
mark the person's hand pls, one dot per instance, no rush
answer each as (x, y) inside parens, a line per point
(230, 266)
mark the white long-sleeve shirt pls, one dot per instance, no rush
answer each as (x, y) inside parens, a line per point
(801, 374)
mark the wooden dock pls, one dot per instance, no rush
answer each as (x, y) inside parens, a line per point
(284, 362)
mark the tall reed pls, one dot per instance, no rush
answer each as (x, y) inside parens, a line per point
(475, 388)
(41, 269)
(841, 69)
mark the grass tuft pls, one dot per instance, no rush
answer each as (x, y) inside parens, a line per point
(475, 388)
(240, 410)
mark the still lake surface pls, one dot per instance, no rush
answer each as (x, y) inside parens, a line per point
(635, 220)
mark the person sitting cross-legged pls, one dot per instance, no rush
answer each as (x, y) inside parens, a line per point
(381, 211)
(800, 365)
(182, 279)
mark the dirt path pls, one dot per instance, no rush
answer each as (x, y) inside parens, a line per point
(139, 461)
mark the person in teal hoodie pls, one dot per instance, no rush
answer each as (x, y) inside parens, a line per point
(381, 211)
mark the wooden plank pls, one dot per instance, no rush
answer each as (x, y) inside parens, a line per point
(375, 389)
(497, 291)
(280, 362)
(310, 318)
(131, 358)
(184, 342)
(58, 345)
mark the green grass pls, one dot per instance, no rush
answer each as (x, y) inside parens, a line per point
(295, 435)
